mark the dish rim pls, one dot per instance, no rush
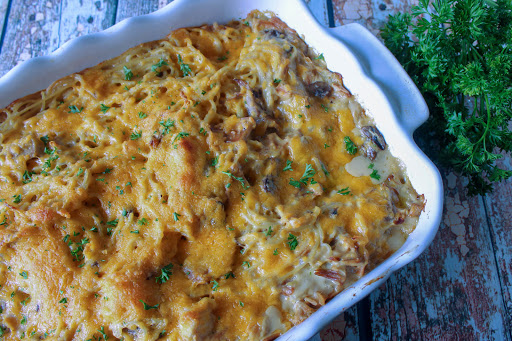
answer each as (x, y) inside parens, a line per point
(55, 67)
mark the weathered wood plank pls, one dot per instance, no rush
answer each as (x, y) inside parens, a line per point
(80, 17)
(370, 13)
(4, 4)
(130, 8)
(32, 30)
(452, 291)
(499, 210)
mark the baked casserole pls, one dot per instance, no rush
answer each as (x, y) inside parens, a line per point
(218, 184)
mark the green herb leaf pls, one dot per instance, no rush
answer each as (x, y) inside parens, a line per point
(344, 191)
(166, 271)
(136, 135)
(147, 306)
(292, 242)
(74, 109)
(128, 74)
(350, 146)
(185, 68)
(288, 166)
(375, 175)
(104, 108)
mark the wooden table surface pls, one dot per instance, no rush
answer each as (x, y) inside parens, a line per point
(459, 289)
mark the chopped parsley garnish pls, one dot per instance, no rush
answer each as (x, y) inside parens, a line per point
(240, 179)
(275, 252)
(45, 139)
(113, 222)
(135, 231)
(308, 106)
(74, 109)
(24, 274)
(107, 170)
(229, 274)
(80, 172)
(215, 161)
(320, 56)
(326, 145)
(307, 176)
(156, 68)
(167, 126)
(4, 222)
(27, 177)
(277, 81)
(128, 74)
(371, 165)
(215, 285)
(185, 68)
(148, 307)
(142, 221)
(344, 191)
(136, 135)
(246, 263)
(269, 231)
(222, 58)
(203, 92)
(103, 334)
(350, 146)
(180, 136)
(142, 115)
(17, 198)
(288, 166)
(64, 300)
(176, 216)
(23, 320)
(292, 241)
(166, 271)
(375, 175)
(241, 303)
(104, 108)
(326, 108)
(202, 131)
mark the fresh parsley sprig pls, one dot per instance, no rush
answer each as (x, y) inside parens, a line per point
(461, 60)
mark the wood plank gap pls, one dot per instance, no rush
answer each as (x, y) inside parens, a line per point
(116, 7)
(4, 26)
(363, 318)
(330, 13)
(500, 279)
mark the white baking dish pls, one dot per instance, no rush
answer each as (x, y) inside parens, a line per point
(369, 70)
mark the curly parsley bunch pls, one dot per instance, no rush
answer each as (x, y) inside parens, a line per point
(459, 54)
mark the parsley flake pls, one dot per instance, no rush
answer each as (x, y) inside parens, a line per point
(74, 109)
(292, 241)
(215, 285)
(166, 271)
(128, 74)
(147, 306)
(185, 68)
(24, 274)
(17, 198)
(375, 175)
(240, 179)
(344, 191)
(104, 108)
(350, 146)
(142, 115)
(288, 166)
(176, 216)
(136, 135)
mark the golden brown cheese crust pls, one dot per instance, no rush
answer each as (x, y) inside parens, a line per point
(191, 182)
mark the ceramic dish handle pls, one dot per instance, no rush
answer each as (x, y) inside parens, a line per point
(383, 68)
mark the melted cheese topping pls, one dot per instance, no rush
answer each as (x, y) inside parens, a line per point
(203, 186)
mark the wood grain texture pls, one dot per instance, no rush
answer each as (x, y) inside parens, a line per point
(499, 211)
(32, 30)
(4, 4)
(80, 17)
(452, 291)
(130, 8)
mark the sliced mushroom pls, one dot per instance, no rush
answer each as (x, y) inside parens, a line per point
(269, 184)
(375, 136)
(319, 89)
